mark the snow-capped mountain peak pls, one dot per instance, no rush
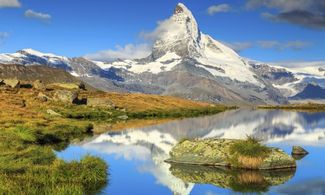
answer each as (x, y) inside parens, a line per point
(179, 34)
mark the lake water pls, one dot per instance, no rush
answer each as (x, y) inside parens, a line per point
(136, 156)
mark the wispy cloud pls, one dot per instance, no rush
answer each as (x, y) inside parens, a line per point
(295, 45)
(214, 9)
(129, 51)
(37, 15)
(269, 44)
(307, 13)
(9, 3)
(240, 46)
(163, 27)
(3, 37)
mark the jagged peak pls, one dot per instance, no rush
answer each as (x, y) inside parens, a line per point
(181, 8)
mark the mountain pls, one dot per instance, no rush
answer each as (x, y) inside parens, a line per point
(311, 91)
(32, 73)
(187, 63)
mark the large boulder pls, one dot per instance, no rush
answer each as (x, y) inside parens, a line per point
(218, 152)
(66, 96)
(13, 83)
(100, 102)
(38, 84)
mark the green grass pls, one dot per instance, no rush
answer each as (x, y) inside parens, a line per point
(309, 107)
(250, 147)
(28, 164)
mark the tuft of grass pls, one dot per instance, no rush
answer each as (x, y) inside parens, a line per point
(249, 153)
(251, 147)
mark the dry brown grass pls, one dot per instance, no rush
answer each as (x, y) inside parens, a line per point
(250, 162)
(144, 102)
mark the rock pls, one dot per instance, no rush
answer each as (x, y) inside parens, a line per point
(297, 150)
(123, 117)
(217, 152)
(13, 83)
(82, 86)
(38, 84)
(66, 96)
(42, 97)
(100, 102)
(52, 113)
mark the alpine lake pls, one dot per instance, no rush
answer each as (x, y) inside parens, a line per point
(136, 156)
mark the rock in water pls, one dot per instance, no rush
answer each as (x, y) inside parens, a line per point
(66, 96)
(297, 150)
(217, 152)
(13, 83)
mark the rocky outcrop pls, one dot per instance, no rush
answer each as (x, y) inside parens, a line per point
(13, 83)
(66, 96)
(217, 152)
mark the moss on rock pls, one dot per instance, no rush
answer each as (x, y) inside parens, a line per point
(221, 152)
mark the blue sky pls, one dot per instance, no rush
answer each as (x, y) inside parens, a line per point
(266, 30)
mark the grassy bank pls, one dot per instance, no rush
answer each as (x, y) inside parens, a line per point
(31, 130)
(309, 107)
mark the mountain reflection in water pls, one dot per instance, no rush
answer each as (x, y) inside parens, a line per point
(150, 146)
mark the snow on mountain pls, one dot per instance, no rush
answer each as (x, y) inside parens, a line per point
(183, 39)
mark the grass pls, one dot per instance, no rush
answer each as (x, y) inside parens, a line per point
(310, 107)
(29, 136)
(249, 153)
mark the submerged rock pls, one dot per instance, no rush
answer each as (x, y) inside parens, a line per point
(217, 152)
(297, 150)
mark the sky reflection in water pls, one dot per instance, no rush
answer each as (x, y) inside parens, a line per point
(136, 156)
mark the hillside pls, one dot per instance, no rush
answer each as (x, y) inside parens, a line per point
(32, 73)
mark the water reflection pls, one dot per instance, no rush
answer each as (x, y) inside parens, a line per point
(236, 180)
(151, 146)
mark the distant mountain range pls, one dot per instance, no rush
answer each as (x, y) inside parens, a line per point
(188, 63)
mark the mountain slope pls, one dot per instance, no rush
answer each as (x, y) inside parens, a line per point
(311, 91)
(32, 73)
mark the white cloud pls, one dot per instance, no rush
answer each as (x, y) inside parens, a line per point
(296, 45)
(129, 51)
(9, 3)
(298, 64)
(163, 27)
(3, 37)
(240, 46)
(37, 15)
(218, 8)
